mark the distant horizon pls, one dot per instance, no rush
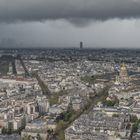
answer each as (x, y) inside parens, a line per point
(68, 47)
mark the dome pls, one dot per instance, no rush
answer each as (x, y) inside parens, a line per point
(123, 67)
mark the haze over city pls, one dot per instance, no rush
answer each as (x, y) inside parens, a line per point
(69, 69)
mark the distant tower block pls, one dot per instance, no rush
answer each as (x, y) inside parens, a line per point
(81, 45)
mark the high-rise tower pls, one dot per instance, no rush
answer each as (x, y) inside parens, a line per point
(81, 45)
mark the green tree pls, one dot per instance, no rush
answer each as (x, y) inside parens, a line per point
(60, 125)
(38, 137)
(10, 127)
(25, 137)
(135, 127)
(4, 131)
(133, 118)
(109, 103)
(115, 115)
(23, 122)
(89, 79)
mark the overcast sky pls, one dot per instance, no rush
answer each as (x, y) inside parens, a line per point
(64, 23)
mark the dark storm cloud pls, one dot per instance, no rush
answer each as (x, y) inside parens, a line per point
(71, 10)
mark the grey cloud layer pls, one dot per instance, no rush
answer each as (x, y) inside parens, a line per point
(38, 10)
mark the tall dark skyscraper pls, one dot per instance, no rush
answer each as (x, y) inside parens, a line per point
(81, 45)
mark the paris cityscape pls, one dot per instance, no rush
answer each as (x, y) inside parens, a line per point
(69, 69)
(70, 94)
